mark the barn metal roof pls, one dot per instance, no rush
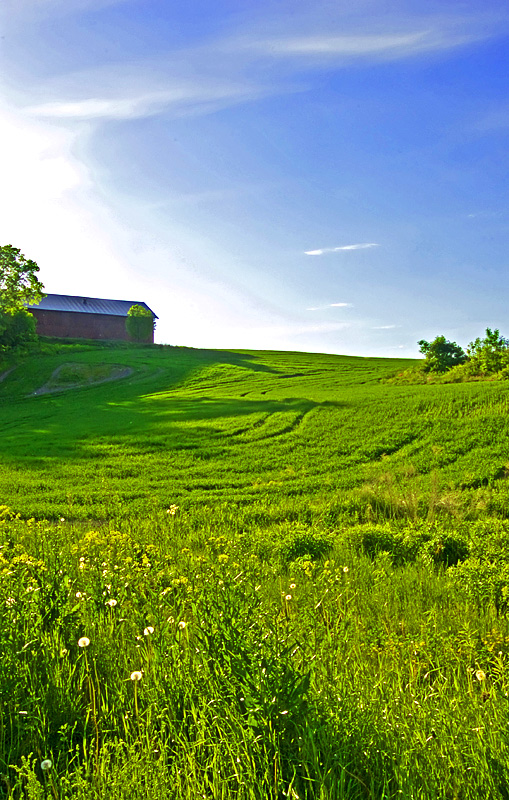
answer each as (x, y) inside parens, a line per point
(88, 305)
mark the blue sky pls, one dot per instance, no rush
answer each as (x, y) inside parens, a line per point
(284, 175)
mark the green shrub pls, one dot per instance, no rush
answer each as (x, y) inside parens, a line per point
(301, 541)
(140, 323)
(17, 329)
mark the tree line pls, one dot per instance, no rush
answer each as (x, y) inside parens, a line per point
(486, 355)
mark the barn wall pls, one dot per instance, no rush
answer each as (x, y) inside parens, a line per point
(73, 325)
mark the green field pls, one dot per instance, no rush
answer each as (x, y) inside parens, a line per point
(273, 435)
(308, 565)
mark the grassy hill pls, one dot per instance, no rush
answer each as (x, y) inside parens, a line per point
(251, 575)
(275, 434)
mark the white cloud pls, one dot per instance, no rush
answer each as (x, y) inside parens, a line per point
(329, 305)
(350, 45)
(324, 250)
(48, 209)
(183, 98)
(374, 34)
(384, 327)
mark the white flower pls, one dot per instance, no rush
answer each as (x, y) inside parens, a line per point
(83, 642)
(148, 630)
(46, 764)
(182, 625)
(480, 675)
(345, 569)
(292, 585)
(111, 602)
(136, 675)
(172, 510)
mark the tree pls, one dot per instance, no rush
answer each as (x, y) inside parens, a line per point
(490, 354)
(140, 323)
(441, 354)
(16, 329)
(19, 286)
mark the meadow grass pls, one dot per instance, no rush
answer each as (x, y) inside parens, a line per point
(251, 575)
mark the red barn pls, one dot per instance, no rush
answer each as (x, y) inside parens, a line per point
(71, 317)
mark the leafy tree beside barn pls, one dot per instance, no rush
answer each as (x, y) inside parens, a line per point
(140, 323)
(19, 285)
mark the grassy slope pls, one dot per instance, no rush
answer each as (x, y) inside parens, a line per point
(280, 431)
(284, 651)
(278, 434)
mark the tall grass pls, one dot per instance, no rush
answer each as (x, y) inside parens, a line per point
(252, 576)
(359, 669)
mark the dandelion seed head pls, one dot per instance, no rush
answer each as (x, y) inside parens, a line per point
(111, 602)
(292, 585)
(46, 764)
(480, 675)
(148, 630)
(136, 675)
(345, 569)
(182, 625)
(288, 597)
(83, 642)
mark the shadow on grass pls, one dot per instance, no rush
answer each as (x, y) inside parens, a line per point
(141, 411)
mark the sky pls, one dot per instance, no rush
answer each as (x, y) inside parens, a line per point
(313, 175)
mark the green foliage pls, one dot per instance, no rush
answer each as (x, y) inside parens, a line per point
(441, 354)
(19, 283)
(17, 329)
(490, 354)
(140, 323)
(337, 679)
(301, 541)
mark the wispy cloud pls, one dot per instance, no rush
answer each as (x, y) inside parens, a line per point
(322, 251)
(183, 98)
(390, 37)
(329, 305)
(384, 327)
(350, 45)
